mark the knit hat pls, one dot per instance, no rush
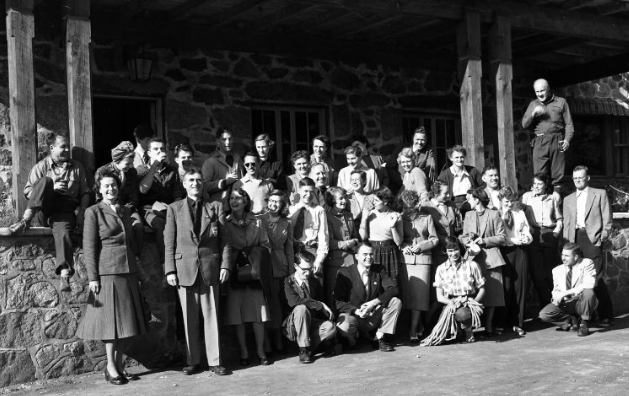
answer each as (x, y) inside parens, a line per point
(121, 151)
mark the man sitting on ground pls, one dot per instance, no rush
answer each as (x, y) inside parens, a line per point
(573, 298)
(310, 322)
(366, 297)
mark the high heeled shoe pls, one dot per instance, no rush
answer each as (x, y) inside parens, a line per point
(119, 380)
(264, 361)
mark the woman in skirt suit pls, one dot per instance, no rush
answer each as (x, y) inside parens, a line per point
(114, 307)
(420, 237)
(484, 228)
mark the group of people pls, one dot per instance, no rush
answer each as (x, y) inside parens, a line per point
(322, 256)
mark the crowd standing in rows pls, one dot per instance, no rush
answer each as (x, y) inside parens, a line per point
(323, 256)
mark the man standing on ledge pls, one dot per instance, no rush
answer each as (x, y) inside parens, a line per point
(549, 117)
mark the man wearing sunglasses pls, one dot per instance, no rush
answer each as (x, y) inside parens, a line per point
(310, 322)
(257, 188)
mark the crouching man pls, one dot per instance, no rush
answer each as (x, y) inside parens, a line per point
(573, 300)
(366, 298)
(310, 322)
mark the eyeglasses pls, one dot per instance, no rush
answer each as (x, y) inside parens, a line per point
(250, 164)
(304, 269)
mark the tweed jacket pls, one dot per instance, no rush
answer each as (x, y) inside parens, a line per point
(419, 229)
(108, 245)
(189, 255)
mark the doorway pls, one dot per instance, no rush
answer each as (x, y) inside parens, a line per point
(115, 117)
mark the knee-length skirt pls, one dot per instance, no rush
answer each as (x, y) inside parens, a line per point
(115, 312)
(246, 304)
(415, 286)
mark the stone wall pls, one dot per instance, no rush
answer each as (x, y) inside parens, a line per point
(617, 264)
(39, 321)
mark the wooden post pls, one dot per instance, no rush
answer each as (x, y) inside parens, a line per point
(502, 74)
(20, 33)
(470, 73)
(78, 37)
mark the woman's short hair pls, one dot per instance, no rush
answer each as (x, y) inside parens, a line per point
(409, 198)
(99, 178)
(435, 189)
(385, 195)
(508, 193)
(299, 154)
(353, 150)
(245, 197)
(331, 193)
(407, 152)
(283, 212)
(457, 148)
(480, 194)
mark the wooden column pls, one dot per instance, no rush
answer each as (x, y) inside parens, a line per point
(502, 74)
(78, 37)
(470, 73)
(20, 33)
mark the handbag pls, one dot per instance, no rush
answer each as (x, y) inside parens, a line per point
(244, 271)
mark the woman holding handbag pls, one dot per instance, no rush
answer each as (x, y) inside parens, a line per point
(247, 300)
(483, 235)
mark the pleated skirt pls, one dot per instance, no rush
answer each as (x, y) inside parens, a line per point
(386, 254)
(115, 312)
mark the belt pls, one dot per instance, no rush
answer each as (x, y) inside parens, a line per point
(548, 133)
(382, 243)
(581, 229)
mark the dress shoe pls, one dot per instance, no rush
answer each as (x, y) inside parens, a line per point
(264, 361)
(245, 362)
(219, 370)
(189, 370)
(583, 330)
(119, 380)
(304, 356)
(385, 346)
(605, 322)
(130, 376)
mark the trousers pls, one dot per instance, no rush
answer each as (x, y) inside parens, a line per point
(548, 158)
(382, 318)
(582, 305)
(307, 330)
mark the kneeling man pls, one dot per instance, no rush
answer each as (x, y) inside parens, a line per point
(573, 298)
(310, 322)
(366, 298)
(194, 241)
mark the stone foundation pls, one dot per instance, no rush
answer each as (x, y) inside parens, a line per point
(38, 322)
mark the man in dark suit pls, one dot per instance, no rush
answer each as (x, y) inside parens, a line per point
(366, 298)
(588, 221)
(193, 244)
(310, 322)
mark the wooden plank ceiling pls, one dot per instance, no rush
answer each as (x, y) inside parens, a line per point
(567, 39)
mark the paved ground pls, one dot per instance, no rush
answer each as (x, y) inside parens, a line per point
(544, 362)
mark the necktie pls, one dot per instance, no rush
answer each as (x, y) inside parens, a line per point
(304, 287)
(145, 158)
(509, 219)
(298, 228)
(569, 279)
(365, 277)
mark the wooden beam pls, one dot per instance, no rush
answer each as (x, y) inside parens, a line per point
(470, 72)
(372, 23)
(502, 73)
(226, 16)
(183, 10)
(196, 36)
(135, 7)
(407, 26)
(322, 19)
(600, 68)
(579, 4)
(79, 87)
(20, 32)
(285, 13)
(612, 8)
(540, 46)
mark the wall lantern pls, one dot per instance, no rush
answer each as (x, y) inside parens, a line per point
(139, 67)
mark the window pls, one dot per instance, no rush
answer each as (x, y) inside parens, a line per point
(443, 131)
(588, 146)
(291, 128)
